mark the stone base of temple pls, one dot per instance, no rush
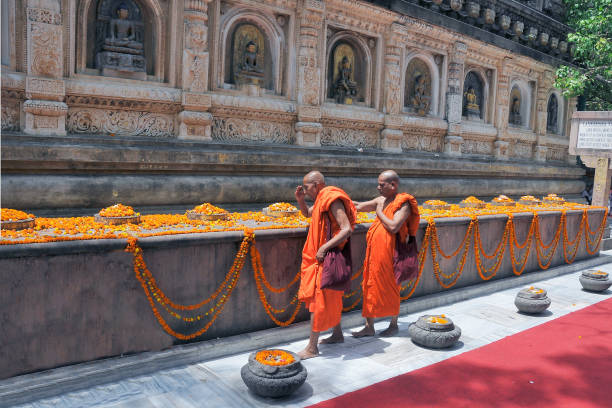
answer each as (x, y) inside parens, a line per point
(92, 171)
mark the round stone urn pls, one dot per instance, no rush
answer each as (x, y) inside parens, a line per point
(434, 331)
(595, 280)
(532, 300)
(273, 376)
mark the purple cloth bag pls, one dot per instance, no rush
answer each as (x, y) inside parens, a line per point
(405, 259)
(337, 265)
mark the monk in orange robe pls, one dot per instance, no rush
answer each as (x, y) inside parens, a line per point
(325, 305)
(395, 213)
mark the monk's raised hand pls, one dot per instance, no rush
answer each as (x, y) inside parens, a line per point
(299, 193)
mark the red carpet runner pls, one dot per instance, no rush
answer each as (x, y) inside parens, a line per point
(566, 362)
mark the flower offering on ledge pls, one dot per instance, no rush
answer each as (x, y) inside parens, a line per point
(529, 200)
(274, 357)
(472, 202)
(503, 200)
(438, 319)
(16, 220)
(207, 212)
(436, 205)
(117, 214)
(553, 198)
(280, 210)
(117, 210)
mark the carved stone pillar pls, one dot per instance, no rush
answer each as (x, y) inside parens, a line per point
(392, 134)
(544, 84)
(308, 128)
(571, 108)
(454, 99)
(45, 111)
(194, 121)
(501, 147)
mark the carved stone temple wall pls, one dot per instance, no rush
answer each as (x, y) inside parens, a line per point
(191, 95)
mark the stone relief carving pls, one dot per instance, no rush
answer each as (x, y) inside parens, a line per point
(427, 140)
(198, 71)
(333, 136)
(120, 103)
(551, 116)
(39, 15)
(418, 87)
(46, 50)
(522, 150)
(310, 75)
(10, 115)
(120, 122)
(392, 87)
(559, 154)
(247, 130)
(470, 146)
(196, 36)
(344, 88)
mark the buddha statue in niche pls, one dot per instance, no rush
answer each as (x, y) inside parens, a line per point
(249, 73)
(515, 112)
(122, 53)
(472, 108)
(421, 100)
(344, 87)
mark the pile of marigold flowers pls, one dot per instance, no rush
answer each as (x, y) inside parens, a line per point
(554, 197)
(437, 319)
(7, 214)
(529, 198)
(282, 207)
(502, 199)
(118, 210)
(472, 200)
(535, 290)
(274, 357)
(435, 202)
(208, 209)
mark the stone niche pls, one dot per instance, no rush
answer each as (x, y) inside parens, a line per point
(419, 88)
(348, 69)
(519, 109)
(248, 59)
(121, 39)
(552, 115)
(474, 96)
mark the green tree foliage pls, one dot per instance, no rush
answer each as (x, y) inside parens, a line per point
(592, 22)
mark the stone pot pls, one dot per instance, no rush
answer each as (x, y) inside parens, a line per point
(544, 39)
(532, 34)
(273, 381)
(595, 280)
(518, 27)
(532, 300)
(563, 46)
(456, 5)
(504, 22)
(489, 16)
(473, 9)
(434, 335)
(554, 42)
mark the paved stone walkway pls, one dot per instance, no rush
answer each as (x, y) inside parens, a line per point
(341, 368)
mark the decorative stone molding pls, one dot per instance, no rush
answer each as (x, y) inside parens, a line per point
(501, 150)
(308, 133)
(522, 150)
(196, 101)
(539, 153)
(39, 15)
(10, 115)
(349, 137)
(118, 91)
(431, 140)
(46, 89)
(233, 129)
(195, 125)
(452, 145)
(45, 117)
(391, 140)
(120, 103)
(120, 122)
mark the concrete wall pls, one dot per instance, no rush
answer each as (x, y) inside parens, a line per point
(64, 303)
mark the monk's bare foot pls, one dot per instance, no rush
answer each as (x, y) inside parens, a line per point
(389, 331)
(365, 332)
(334, 338)
(307, 353)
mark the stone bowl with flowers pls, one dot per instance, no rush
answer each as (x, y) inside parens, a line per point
(273, 373)
(207, 212)
(532, 300)
(595, 280)
(434, 331)
(503, 201)
(280, 210)
(553, 199)
(117, 214)
(16, 220)
(472, 202)
(529, 200)
(436, 205)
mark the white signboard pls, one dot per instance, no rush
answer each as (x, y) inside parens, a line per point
(594, 134)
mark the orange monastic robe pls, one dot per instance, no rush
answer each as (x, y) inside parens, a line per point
(325, 304)
(381, 295)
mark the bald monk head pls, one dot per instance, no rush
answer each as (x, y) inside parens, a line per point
(313, 183)
(388, 183)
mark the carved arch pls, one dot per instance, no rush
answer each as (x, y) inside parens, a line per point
(526, 100)
(434, 71)
(85, 16)
(486, 111)
(561, 105)
(273, 34)
(361, 47)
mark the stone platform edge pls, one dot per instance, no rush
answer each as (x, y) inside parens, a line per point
(35, 386)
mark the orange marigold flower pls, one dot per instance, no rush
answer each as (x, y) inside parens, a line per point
(117, 210)
(274, 357)
(282, 207)
(208, 209)
(435, 202)
(472, 200)
(8, 214)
